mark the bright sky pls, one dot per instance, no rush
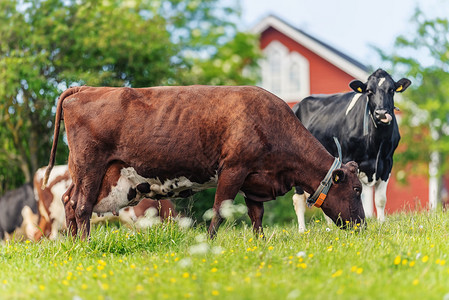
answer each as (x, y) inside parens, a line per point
(350, 26)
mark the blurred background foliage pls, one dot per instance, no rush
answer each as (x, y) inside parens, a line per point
(423, 57)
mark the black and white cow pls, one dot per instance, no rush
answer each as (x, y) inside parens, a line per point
(18, 213)
(366, 127)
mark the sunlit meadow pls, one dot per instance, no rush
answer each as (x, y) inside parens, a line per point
(407, 257)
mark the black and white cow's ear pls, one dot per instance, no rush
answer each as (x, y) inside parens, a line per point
(338, 176)
(358, 86)
(402, 85)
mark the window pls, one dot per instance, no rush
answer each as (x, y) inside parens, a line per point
(285, 73)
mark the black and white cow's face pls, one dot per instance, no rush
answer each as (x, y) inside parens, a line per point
(380, 89)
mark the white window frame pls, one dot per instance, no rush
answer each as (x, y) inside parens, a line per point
(286, 90)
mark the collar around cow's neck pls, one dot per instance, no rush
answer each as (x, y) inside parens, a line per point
(320, 194)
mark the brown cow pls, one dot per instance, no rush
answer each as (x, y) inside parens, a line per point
(51, 208)
(180, 140)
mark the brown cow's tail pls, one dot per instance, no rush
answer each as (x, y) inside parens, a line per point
(51, 163)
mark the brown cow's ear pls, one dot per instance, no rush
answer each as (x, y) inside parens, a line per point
(338, 176)
(402, 85)
(358, 86)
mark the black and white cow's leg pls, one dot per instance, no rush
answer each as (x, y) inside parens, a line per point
(255, 213)
(367, 200)
(380, 198)
(229, 184)
(299, 203)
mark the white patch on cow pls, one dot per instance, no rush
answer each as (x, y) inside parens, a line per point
(380, 198)
(27, 229)
(365, 180)
(57, 212)
(55, 172)
(353, 102)
(381, 81)
(299, 203)
(117, 198)
(128, 216)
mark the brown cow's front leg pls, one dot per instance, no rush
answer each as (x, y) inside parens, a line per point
(255, 212)
(83, 213)
(229, 183)
(69, 207)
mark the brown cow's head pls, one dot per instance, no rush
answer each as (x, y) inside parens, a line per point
(343, 203)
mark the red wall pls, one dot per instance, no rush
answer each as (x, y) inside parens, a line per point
(325, 78)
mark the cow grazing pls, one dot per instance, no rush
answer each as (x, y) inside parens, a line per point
(365, 124)
(18, 213)
(179, 140)
(114, 186)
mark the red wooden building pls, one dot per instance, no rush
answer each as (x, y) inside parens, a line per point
(297, 64)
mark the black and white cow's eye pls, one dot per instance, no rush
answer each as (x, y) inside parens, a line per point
(391, 91)
(370, 92)
(358, 190)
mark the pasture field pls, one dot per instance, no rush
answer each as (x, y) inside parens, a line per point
(407, 257)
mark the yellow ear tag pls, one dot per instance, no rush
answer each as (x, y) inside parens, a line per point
(336, 178)
(359, 89)
(399, 88)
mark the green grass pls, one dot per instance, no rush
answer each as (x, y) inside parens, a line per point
(404, 258)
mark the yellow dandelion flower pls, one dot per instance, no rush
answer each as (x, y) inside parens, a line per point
(404, 262)
(105, 286)
(442, 262)
(65, 282)
(250, 240)
(359, 271)
(337, 273)
(425, 259)
(5, 281)
(317, 221)
(132, 266)
(185, 275)
(84, 286)
(397, 260)
(42, 287)
(139, 288)
(215, 293)
(247, 279)
(358, 253)
(172, 280)
(213, 270)
(311, 255)
(412, 263)
(270, 248)
(415, 282)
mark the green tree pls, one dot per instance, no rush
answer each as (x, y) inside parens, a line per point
(49, 45)
(424, 58)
